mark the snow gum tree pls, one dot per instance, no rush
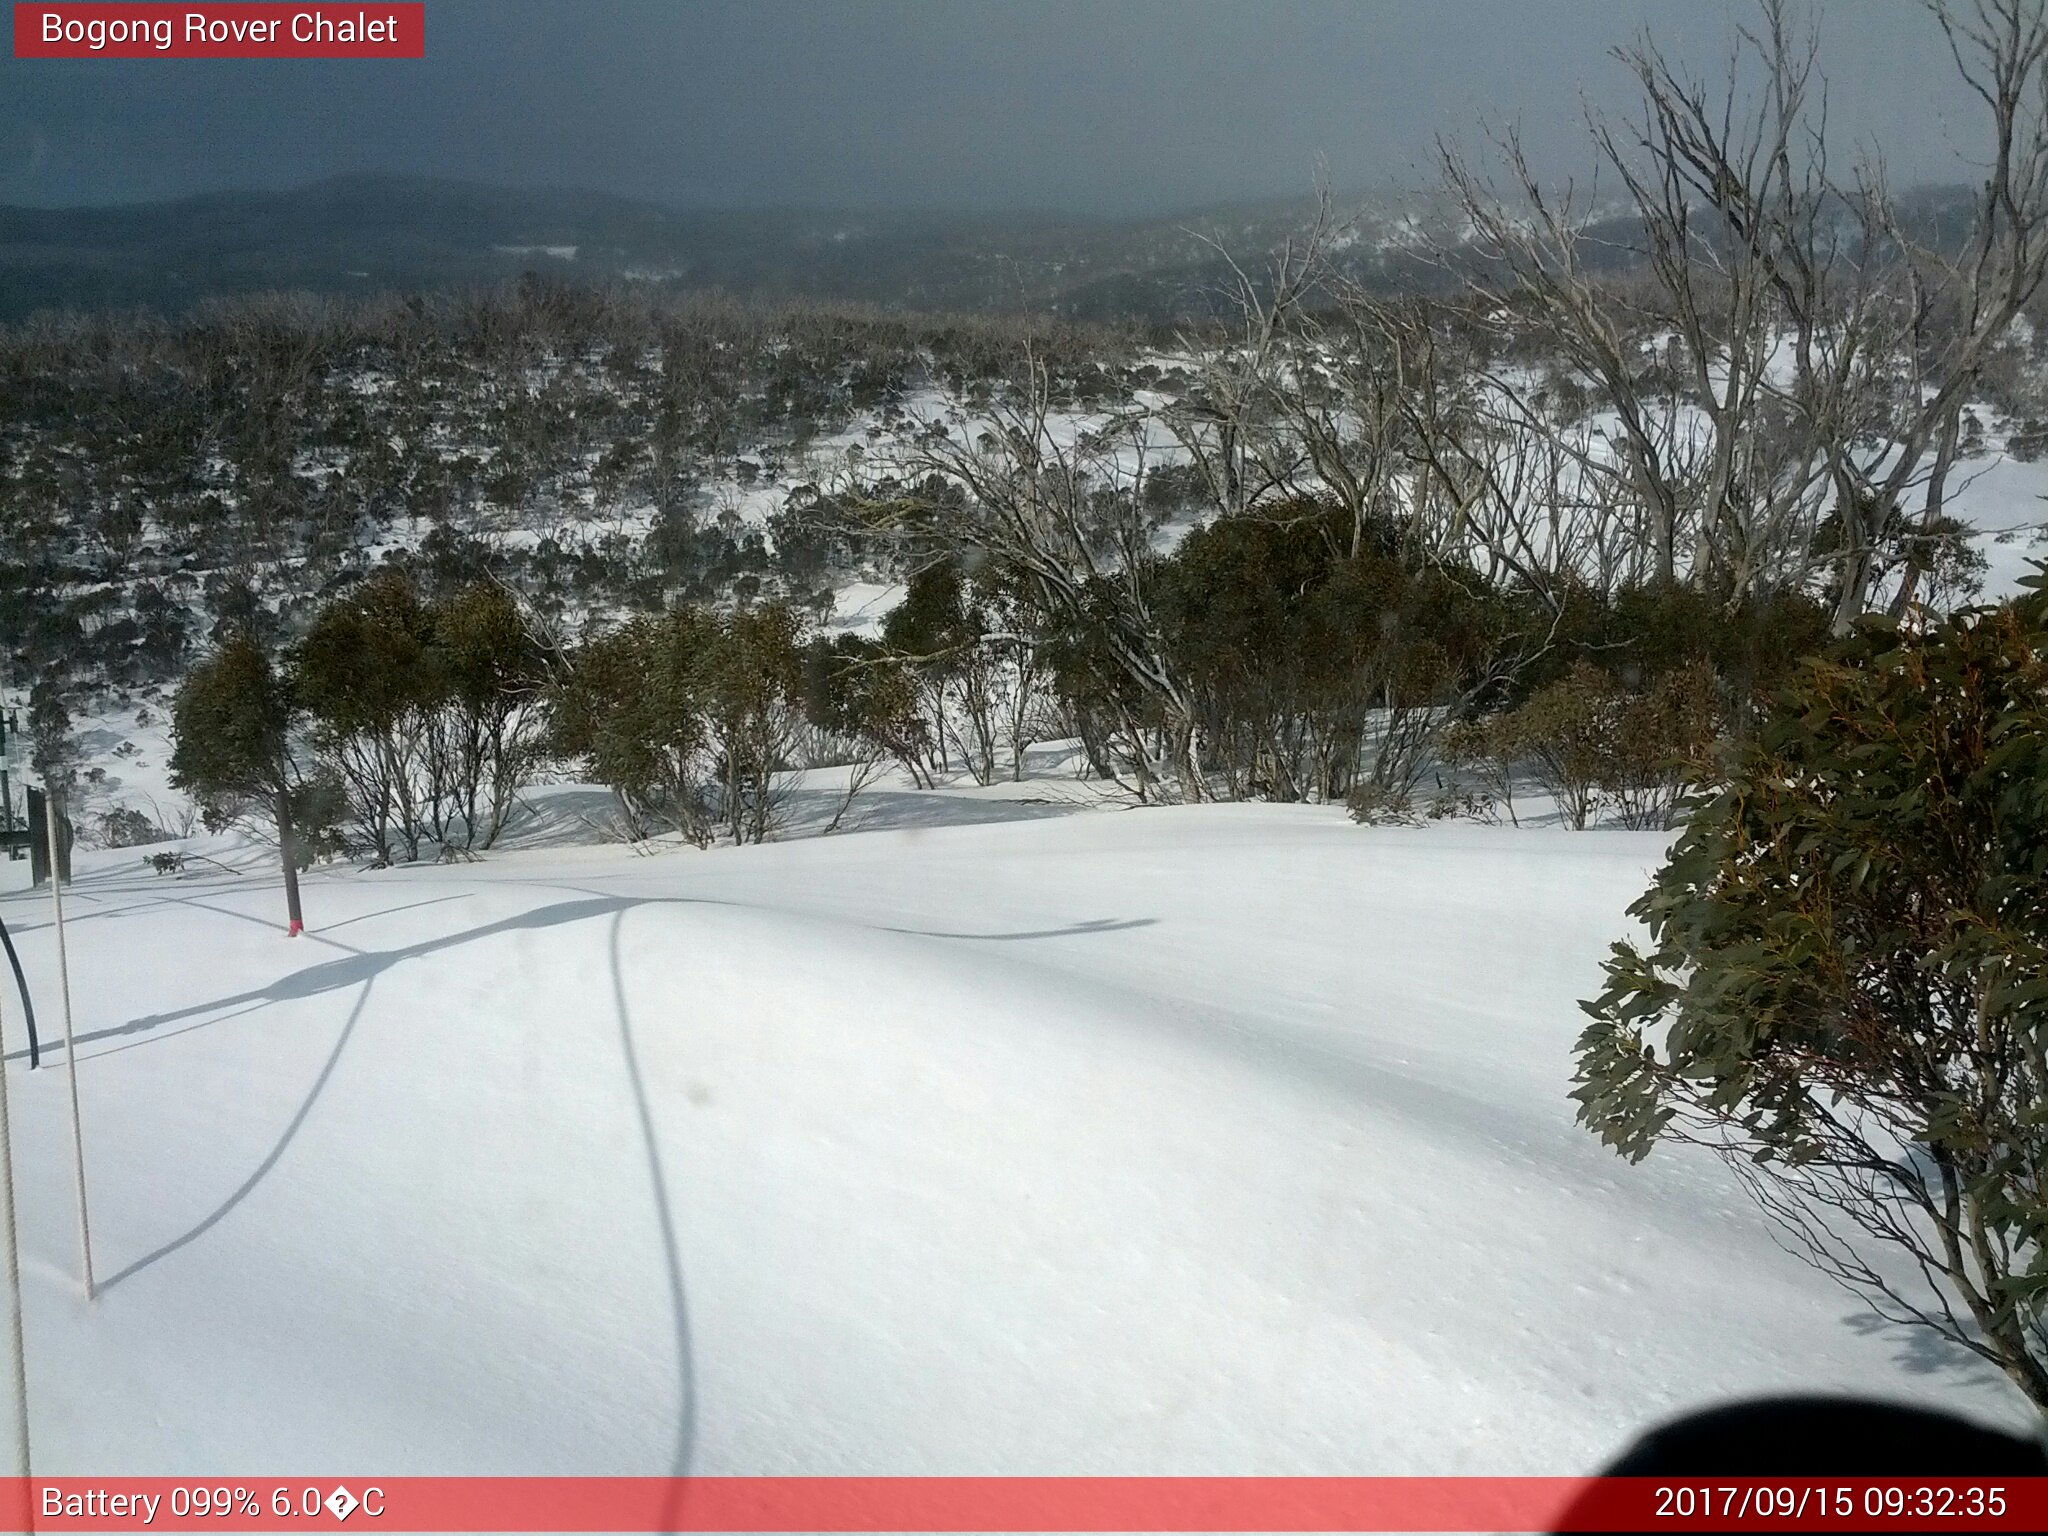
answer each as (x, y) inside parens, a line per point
(1846, 989)
(629, 704)
(232, 725)
(425, 714)
(53, 753)
(964, 639)
(364, 672)
(752, 691)
(855, 689)
(490, 667)
(1317, 659)
(690, 717)
(1825, 347)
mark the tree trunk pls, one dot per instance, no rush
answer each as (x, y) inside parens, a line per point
(1853, 599)
(1937, 493)
(291, 866)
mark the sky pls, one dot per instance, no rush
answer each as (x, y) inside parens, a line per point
(1105, 107)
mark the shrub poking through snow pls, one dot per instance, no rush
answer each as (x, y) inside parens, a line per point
(1846, 993)
(126, 827)
(1598, 748)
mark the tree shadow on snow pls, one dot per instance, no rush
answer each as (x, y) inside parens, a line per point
(355, 969)
(1922, 1351)
(913, 810)
(686, 1375)
(1072, 930)
(360, 966)
(362, 970)
(263, 1168)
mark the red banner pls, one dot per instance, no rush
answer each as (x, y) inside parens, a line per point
(1025, 1504)
(130, 31)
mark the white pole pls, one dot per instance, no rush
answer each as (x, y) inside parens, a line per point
(13, 1241)
(70, 1046)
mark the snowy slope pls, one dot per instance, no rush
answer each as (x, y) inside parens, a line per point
(1212, 1140)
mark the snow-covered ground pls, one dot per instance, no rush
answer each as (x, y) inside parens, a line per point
(1204, 1140)
(2006, 500)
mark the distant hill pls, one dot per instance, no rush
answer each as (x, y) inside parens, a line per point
(364, 233)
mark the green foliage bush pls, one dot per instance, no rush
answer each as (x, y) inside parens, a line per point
(421, 711)
(689, 717)
(1596, 746)
(1314, 663)
(1846, 986)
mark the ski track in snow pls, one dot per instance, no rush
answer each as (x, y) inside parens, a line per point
(1209, 1140)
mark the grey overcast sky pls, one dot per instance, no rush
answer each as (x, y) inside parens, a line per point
(1093, 106)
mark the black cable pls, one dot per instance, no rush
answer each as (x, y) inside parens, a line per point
(28, 1009)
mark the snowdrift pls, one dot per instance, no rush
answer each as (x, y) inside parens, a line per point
(1213, 1140)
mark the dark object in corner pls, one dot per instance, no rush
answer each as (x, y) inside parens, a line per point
(1829, 1437)
(1823, 1437)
